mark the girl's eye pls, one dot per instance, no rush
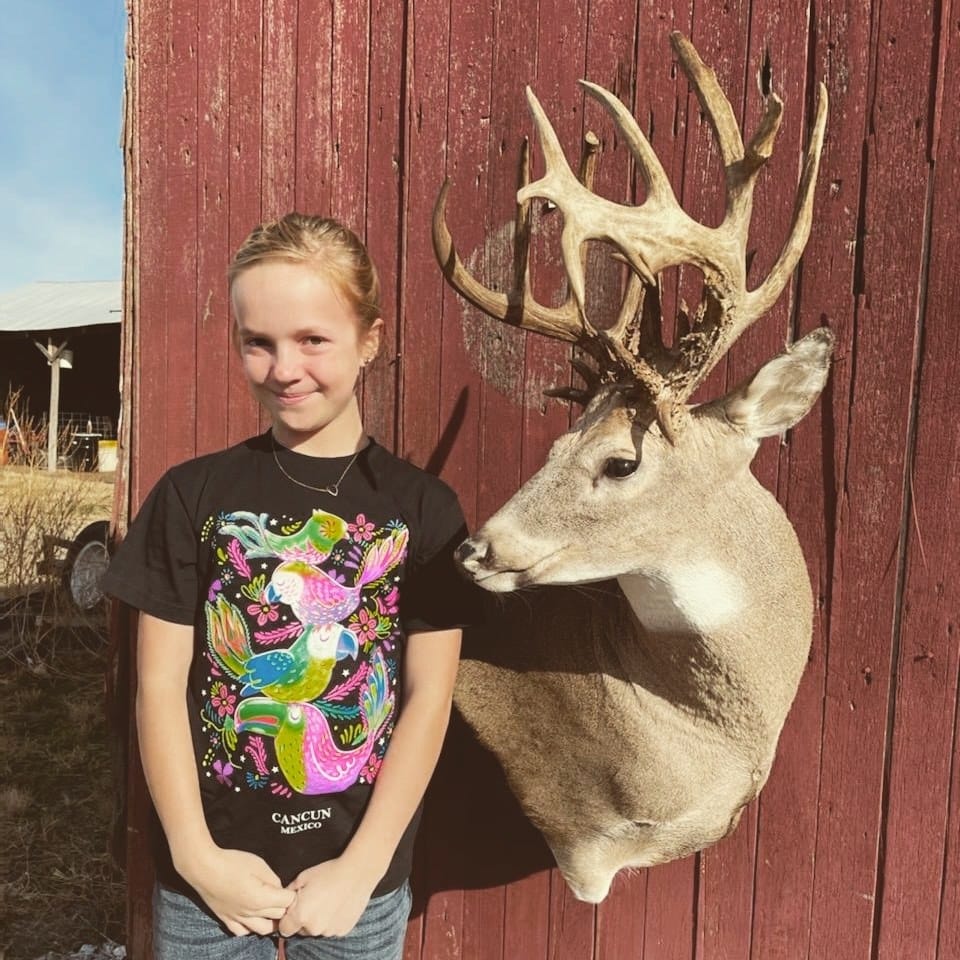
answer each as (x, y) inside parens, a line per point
(316, 341)
(254, 342)
(618, 468)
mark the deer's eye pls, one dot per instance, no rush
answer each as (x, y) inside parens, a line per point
(618, 468)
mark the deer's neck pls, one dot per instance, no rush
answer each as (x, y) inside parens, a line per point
(725, 641)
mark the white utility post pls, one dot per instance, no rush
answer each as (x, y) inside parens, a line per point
(56, 357)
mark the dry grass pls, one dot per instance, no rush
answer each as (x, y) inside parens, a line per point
(34, 608)
(58, 886)
(35, 503)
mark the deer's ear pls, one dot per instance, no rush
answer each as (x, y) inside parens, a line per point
(782, 391)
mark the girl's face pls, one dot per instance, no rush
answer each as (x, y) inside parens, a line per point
(302, 347)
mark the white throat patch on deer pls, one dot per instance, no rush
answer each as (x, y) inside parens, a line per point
(698, 665)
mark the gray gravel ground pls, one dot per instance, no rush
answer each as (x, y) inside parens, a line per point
(106, 951)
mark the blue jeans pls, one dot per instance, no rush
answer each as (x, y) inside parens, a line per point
(183, 931)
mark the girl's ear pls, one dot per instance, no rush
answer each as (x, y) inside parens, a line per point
(781, 393)
(372, 339)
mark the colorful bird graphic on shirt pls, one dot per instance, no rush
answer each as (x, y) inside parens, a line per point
(310, 543)
(307, 753)
(299, 672)
(316, 597)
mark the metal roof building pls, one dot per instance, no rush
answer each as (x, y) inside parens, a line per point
(59, 305)
(83, 316)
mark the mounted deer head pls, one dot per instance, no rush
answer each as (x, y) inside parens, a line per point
(697, 677)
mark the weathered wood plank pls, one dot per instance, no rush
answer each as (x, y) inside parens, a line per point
(349, 111)
(561, 60)
(428, 32)
(150, 26)
(610, 54)
(421, 287)
(784, 884)
(384, 214)
(279, 118)
(726, 893)
(150, 22)
(483, 925)
(937, 446)
(561, 42)
(471, 60)
(667, 113)
(179, 429)
(678, 893)
(721, 37)
(669, 926)
(526, 912)
(620, 918)
(572, 923)
(868, 535)
(245, 110)
(455, 451)
(315, 159)
(919, 837)
(496, 348)
(213, 321)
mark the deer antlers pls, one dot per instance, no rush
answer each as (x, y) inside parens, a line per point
(650, 237)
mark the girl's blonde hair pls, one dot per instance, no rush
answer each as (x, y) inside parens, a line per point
(335, 250)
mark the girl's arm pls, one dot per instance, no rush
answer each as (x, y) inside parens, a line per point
(332, 895)
(238, 886)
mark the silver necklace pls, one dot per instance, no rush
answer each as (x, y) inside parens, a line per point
(333, 489)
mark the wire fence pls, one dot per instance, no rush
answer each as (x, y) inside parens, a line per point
(85, 441)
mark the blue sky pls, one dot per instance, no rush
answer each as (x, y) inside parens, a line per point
(61, 168)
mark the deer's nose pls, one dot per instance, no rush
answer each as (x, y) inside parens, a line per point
(471, 554)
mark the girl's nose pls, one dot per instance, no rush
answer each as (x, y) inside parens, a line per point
(286, 364)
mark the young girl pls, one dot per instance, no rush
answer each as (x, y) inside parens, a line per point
(299, 614)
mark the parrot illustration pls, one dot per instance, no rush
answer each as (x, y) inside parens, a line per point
(311, 543)
(298, 672)
(316, 597)
(307, 754)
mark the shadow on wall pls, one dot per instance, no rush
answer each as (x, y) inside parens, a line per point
(474, 834)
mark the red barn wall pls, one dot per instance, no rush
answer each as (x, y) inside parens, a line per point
(239, 111)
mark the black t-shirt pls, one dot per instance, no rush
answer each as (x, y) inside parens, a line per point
(300, 603)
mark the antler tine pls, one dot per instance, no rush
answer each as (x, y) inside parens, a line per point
(761, 299)
(558, 184)
(654, 176)
(761, 143)
(561, 323)
(713, 101)
(489, 301)
(522, 226)
(722, 327)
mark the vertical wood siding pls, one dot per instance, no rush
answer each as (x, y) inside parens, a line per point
(246, 109)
